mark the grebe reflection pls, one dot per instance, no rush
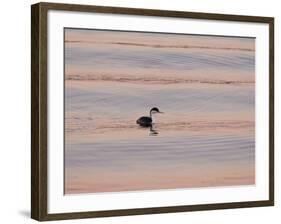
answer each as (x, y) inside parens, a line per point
(152, 130)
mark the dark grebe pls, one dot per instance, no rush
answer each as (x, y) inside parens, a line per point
(148, 121)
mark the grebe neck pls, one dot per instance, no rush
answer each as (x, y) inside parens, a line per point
(153, 117)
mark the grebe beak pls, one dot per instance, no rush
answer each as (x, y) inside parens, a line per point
(161, 112)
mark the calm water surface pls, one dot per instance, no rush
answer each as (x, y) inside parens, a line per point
(206, 87)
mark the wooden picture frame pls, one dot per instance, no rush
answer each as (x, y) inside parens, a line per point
(39, 109)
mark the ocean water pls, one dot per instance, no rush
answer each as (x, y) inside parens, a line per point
(204, 84)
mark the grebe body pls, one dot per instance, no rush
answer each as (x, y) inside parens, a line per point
(148, 121)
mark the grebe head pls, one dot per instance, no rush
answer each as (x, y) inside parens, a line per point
(155, 110)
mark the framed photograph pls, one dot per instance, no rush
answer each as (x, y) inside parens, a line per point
(139, 111)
